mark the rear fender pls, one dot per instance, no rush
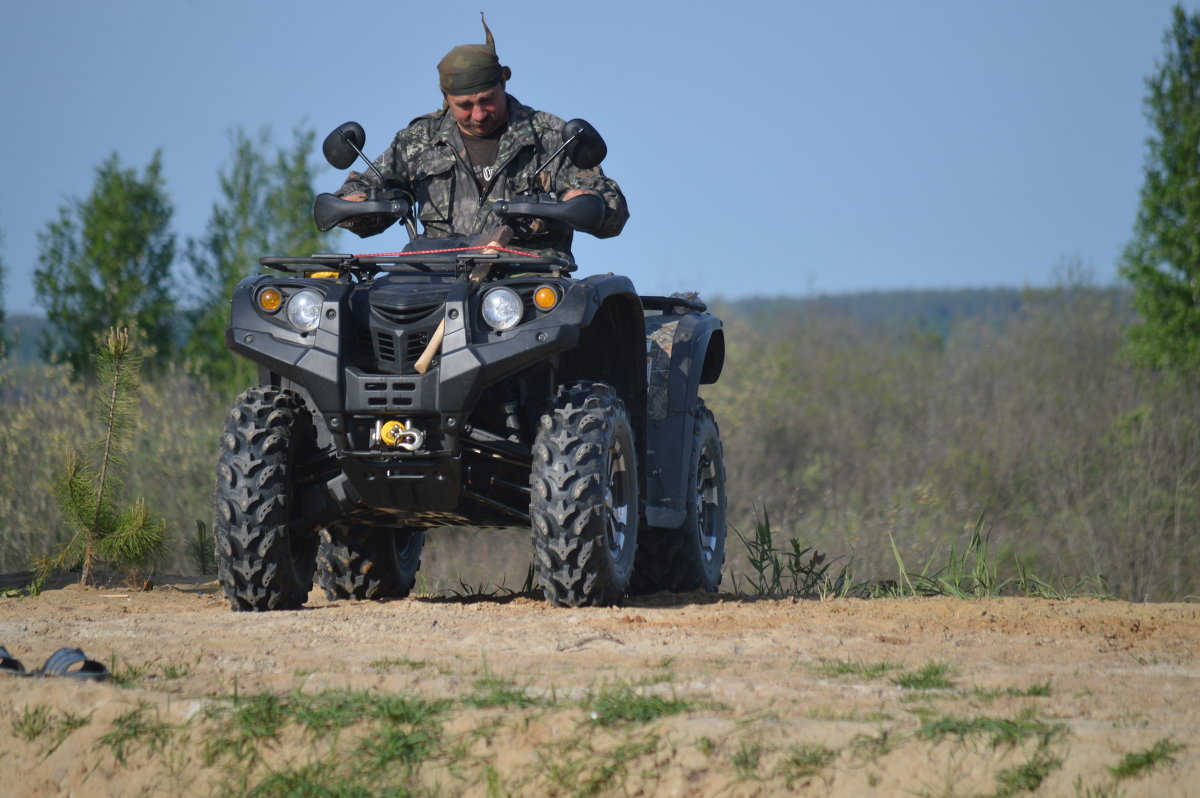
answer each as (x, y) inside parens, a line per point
(683, 352)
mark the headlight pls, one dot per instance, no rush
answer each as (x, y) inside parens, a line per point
(502, 308)
(304, 310)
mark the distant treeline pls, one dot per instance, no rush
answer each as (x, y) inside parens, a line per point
(933, 310)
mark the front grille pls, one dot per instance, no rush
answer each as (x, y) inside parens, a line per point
(404, 316)
(415, 346)
(390, 341)
(385, 345)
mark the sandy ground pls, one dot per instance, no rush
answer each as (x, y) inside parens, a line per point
(779, 697)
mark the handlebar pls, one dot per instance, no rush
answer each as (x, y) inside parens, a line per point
(330, 210)
(584, 212)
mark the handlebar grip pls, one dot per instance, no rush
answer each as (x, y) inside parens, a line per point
(585, 212)
(330, 210)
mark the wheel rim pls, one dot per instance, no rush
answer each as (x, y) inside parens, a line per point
(616, 499)
(707, 503)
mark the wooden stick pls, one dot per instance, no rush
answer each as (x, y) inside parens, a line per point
(431, 349)
(495, 239)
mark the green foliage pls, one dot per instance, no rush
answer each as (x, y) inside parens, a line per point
(1141, 762)
(1163, 259)
(265, 209)
(1028, 776)
(998, 731)
(803, 761)
(861, 437)
(4, 340)
(861, 670)
(620, 704)
(33, 723)
(493, 691)
(105, 263)
(87, 493)
(931, 676)
(139, 728)
(201, 551)
(791, 570)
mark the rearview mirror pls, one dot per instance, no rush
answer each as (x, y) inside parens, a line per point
(588, 148)
(344, 144)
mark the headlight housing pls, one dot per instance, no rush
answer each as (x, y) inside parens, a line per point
(304, 310)
(502, 309)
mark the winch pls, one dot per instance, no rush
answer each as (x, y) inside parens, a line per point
(397, 434)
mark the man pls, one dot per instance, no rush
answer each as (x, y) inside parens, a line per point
(483, 145)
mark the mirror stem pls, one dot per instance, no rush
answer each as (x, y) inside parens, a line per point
(549, 160)
(378, 174)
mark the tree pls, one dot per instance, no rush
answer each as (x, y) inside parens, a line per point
(1163, 259)
(129, 537)
(3, 333)
(105, 263)
(265, 209)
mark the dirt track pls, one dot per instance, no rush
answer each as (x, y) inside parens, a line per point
(782, 697)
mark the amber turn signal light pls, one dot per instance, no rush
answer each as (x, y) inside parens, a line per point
(270, 299)
(545, 297)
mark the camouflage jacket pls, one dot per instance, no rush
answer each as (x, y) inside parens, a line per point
(428, 159)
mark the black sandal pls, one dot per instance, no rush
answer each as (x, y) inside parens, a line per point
(62, 661)
(10, 666)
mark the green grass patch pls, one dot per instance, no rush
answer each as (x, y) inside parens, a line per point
(832, 668)
(870, 748)
(932, 676)
(125, 674)
(575, 768)
(746, 760)
(1029, 776)
(139, 728)
(398, 663)
(1041, 690)
(998, 731)
(495, 692)
(33, 723)
(1140, 762)
(802, 762)
(619, 704)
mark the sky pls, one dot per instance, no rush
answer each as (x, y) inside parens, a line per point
(765, 148)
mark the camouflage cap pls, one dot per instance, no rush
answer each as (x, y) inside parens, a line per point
(472, 68)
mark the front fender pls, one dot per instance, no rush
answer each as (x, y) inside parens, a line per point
(307, 359)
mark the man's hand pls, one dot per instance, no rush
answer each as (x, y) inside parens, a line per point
(572, 194)
(357, 196)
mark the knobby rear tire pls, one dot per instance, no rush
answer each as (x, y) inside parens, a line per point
(690, 557)
(360, 561)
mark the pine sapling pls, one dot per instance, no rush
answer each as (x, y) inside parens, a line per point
(127, 538)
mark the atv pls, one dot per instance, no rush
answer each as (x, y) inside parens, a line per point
(466, 383)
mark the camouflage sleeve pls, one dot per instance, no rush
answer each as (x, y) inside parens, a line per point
(390, 166)
(616, 211)
(567, 176)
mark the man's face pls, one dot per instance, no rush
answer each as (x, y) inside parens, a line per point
(479, 114)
